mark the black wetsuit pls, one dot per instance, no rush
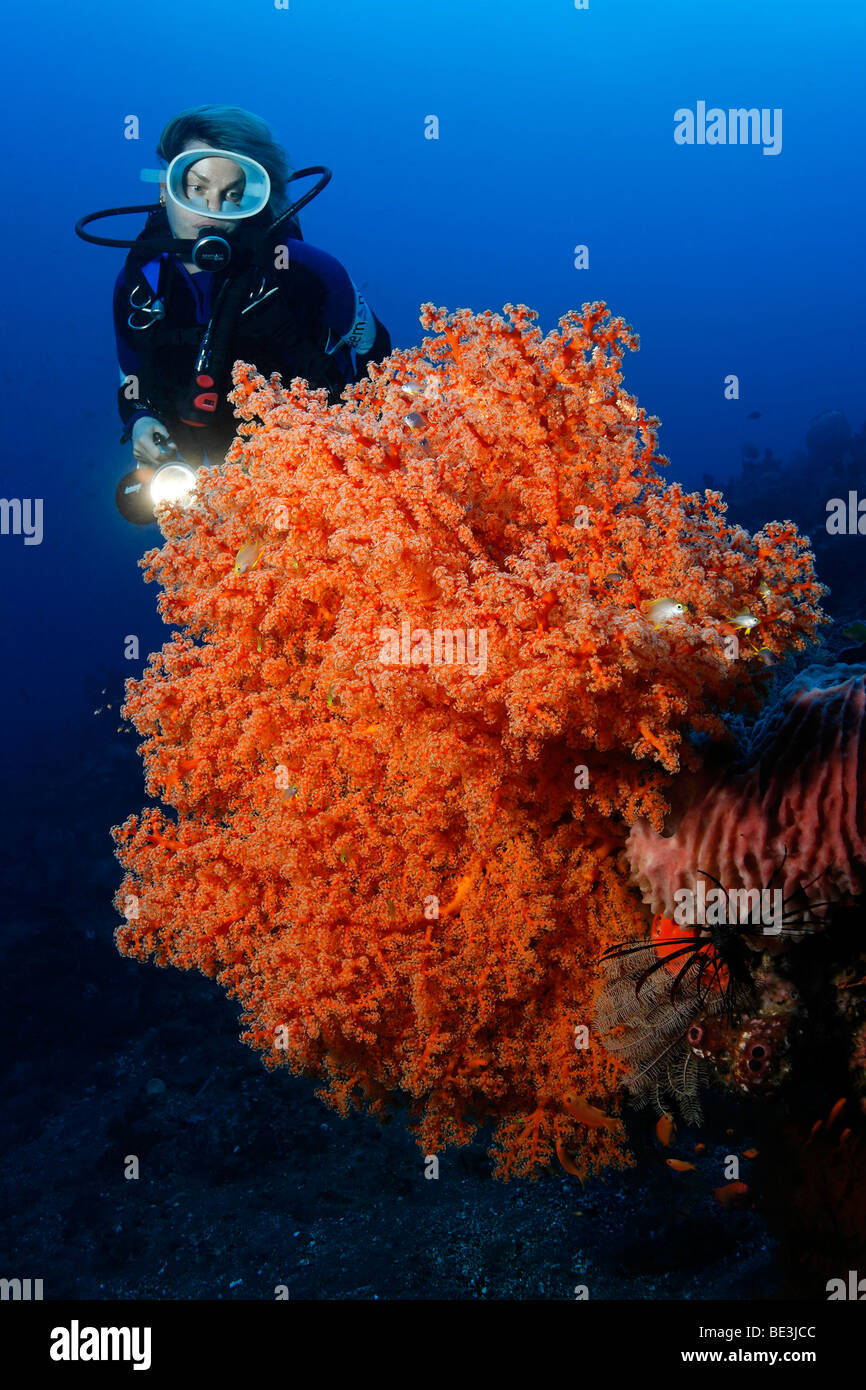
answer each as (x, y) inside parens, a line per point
(306, 320)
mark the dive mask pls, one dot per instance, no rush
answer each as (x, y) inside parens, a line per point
(214, 183)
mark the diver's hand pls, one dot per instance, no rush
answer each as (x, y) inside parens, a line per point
(151, 442)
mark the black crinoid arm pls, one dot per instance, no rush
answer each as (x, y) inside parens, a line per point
(654, 994)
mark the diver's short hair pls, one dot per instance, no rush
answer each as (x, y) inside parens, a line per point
(230, 128)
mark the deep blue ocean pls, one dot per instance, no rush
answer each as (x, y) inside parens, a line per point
(556, 127)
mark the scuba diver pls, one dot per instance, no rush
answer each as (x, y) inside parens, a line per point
(221, 272)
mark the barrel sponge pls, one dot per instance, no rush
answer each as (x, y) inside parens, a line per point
(790, 814)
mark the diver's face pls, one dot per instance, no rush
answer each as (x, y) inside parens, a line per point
(209, 187)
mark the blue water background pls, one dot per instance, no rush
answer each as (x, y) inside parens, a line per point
(556, 129)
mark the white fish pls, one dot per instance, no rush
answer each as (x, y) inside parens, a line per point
(663, 610)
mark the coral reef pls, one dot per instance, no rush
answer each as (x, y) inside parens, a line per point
(442, 645)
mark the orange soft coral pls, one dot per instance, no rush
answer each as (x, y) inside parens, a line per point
(405, 867)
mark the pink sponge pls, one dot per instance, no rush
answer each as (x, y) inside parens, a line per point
(792, 815)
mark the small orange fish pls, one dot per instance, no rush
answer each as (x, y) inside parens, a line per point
(567, 1161)
(588, 1114)
(462, 892)
(750, 1153)
(156, 839)
(680, 1165)
(649, 737)
(733, 1194)
(700, 1148)
(665, 1130)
